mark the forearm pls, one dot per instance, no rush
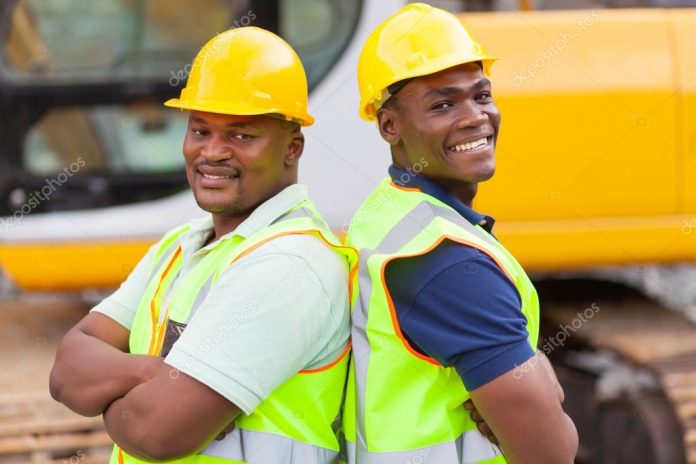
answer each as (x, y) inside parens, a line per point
(523, 410)
(558, 447)
(126, 421)
(89, 374)
(168, 417)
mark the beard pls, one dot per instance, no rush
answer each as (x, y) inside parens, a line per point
(237, 206)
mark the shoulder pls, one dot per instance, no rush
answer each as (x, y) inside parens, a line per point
(453, 272)
(302, 256)
(307, 248)
(447, 257)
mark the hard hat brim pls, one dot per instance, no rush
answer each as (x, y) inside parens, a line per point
(368, 111)
(236, 109)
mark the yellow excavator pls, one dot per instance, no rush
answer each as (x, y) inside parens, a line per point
(595, 195)
(594, 191)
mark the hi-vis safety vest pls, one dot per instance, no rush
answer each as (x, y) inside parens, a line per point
(403, 407)
(297, 423)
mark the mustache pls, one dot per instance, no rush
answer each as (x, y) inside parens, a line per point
(227, 168)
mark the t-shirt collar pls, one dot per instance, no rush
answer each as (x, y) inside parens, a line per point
(263, 216)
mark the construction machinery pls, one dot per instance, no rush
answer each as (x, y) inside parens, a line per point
(595, 158)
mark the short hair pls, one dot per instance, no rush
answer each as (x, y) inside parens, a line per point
(289, 124)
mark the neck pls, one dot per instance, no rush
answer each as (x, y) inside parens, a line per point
(223, 225)
(463, 191)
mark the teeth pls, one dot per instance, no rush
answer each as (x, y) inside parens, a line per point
(469, 146)
(208, 176)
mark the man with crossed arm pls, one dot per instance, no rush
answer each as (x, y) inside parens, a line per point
(237, 322)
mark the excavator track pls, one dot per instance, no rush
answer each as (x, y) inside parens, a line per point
(628, 365)
(34, 429)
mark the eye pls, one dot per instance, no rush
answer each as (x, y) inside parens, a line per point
(484, 97)
(199, 132)
(442, 105)
(243, 137)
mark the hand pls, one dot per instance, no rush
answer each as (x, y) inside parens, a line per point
(225, 431)
(480, 422)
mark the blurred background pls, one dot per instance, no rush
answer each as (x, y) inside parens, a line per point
(594, 191)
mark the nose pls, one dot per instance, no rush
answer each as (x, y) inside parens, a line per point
(216, 149)
(471, 115)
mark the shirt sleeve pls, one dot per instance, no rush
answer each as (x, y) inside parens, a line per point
(267, 317)
(457, 306)
(122, 305)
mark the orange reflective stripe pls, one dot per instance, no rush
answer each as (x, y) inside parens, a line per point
(353, 270)
(281, 234)
(390, 301)
(392, 313)
(352, 280)
(121, 459)
(160, 333)
(154, 310)
(321, 236)
(346, 350)
(405, 189)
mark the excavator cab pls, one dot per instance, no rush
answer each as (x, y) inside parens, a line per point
(82, 86)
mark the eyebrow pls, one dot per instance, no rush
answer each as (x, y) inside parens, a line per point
(446, 91)
(238, 124)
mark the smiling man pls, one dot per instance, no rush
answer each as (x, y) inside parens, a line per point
(444, 314)
(235, 326)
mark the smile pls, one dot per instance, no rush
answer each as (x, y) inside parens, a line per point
(218, 173)
(208, 176)
(469, 146)
(217, 177)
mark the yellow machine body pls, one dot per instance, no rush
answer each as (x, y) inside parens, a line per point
(596, 161)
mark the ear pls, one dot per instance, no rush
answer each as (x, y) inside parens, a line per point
(388, 125)
(294, 148)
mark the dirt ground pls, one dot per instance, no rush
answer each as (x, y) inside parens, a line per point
(34, 428)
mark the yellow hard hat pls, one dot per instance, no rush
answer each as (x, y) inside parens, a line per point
(247, 70)
(416, 41)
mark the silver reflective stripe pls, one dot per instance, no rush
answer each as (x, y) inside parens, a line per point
(200, 297)
(404, 231)
(458, 219)
(302, 213)
(471, 447)
(166, 255)
(254, 447)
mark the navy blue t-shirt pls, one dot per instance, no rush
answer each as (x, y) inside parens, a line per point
(455, 304)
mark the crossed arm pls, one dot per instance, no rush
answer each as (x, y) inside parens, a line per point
(522, 411)
(155, 412)
(459, 307)
(150, 410)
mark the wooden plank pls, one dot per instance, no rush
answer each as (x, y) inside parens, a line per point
(64, 441)
(96, 456)
(46, 426)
